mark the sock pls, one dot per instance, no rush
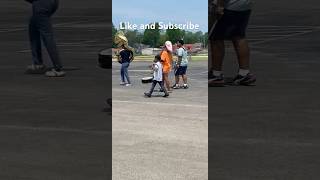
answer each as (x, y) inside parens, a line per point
(243, 72)
(217, 73)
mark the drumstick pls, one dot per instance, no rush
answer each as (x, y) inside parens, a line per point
(212, 29)
(212, 8)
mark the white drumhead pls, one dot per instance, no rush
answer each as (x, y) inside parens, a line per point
(147, 78)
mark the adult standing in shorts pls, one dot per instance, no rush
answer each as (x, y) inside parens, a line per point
(40, 28)
(181, 66)
(166, 60)
(233, 17)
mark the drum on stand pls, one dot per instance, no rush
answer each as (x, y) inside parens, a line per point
(105, 59)
(147, 80)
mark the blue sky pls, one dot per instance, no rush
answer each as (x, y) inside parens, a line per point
(147, 11)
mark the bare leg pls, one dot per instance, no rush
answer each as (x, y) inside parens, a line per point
(166, 81)
(218, 52)
(241, 47)
(185, 79)
(177, 78)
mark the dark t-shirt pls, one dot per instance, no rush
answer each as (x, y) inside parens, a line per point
(126, 56)
(238, 5)
(31, 1)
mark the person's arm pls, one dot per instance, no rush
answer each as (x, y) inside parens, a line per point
(118, 54)
(180, 54)
(155, 67)
(163, 57)
(131, 56)
(219, 8)
(179, 60)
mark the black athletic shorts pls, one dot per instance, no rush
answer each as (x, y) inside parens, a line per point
(233, 24)
(182, 70)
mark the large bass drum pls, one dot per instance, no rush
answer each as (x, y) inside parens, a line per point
(105, 59)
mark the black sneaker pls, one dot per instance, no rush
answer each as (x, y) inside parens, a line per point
(246, 80)
(216, 81)
(166, 95)
(147, 94)
(36, 69)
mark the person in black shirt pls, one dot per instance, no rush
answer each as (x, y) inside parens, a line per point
(125, 57)
(40, 28)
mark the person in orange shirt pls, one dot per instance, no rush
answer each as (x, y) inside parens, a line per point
(166, 60)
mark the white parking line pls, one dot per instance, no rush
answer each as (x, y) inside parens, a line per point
(265, 34)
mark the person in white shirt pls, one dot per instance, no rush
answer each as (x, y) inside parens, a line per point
(157, 77)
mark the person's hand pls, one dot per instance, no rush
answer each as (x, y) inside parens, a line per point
(117, 52)
(219, 11)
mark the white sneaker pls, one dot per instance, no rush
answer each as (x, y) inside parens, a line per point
(122, 83)
(54, 73)
(128, 85)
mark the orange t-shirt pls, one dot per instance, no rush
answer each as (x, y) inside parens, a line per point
(166, 61)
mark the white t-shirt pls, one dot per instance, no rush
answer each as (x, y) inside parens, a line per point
(181, 52)
(157, 71)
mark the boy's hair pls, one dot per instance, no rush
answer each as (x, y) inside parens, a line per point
(157, 57)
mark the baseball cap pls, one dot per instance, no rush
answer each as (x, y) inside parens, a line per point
(168, 45)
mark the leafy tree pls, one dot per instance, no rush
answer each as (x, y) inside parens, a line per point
(132, 36)
(174, 35)
(152, 36)
(205, 37)
(163, 39)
